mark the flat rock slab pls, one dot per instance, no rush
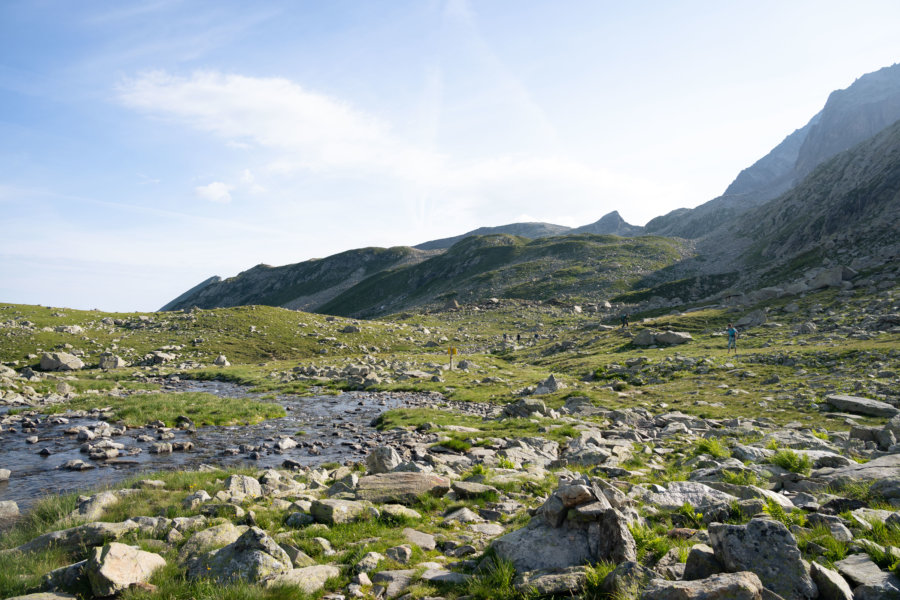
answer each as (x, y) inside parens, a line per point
(881, 468)
(552, 582)
(695, 493)
(725, 586)
(309, 579)
(425, 541)
(470, 489)
(491, 529)
(444, 576)
(861, 571)
(862, 406)
(400, 487)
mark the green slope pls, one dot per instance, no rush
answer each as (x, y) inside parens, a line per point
(576, 266)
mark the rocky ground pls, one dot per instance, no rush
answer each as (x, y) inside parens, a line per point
(575, 460)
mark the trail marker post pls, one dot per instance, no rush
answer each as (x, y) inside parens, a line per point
(451, 351)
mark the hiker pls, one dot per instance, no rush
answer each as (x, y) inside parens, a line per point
(518, 338)
(732, 338)
(625, 321)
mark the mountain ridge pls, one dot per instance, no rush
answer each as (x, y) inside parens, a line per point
(733, 233)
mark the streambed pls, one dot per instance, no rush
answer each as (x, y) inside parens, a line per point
(336, 428)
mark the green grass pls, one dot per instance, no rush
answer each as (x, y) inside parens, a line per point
(742, 477)
(778, 512)
(713, 447)
(137, 410)
(494, 581)
(792, 461)
(455, 444)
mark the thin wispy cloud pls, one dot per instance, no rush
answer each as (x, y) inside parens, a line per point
(299, 129)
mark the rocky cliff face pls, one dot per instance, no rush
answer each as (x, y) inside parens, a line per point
(847, 209)
(849, 117)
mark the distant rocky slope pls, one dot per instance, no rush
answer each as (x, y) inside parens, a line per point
(850, 116)
(306, 285)
(847, 210)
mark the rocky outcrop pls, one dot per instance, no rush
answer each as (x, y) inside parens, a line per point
(768, 549)
(252, 557)
(576, 525)
(400, 488)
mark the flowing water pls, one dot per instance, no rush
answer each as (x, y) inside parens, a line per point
(337, 428)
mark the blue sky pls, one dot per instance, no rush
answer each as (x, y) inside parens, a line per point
(145, 146)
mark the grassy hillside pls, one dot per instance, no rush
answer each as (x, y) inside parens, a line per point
(576, 266)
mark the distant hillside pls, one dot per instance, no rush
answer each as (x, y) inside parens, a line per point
(609, 224)
(527, 230)
(850, 116)
(306, 285)
(578, 266)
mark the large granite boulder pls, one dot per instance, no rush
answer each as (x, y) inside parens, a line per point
(673, 338)
(241, 485)
(576, 525)
(768, 549)
(696, 494)
(210, 539)
(116, 567)
(309, 579)
(108, 360)
(538, 546)
(382, 459)
(334, 512)
(400, 487)
(645, 337)
(252, 557)
(60, 361)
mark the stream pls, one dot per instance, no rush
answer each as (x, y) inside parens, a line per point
(336, 430)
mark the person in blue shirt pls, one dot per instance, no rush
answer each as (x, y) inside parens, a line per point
(732, 338)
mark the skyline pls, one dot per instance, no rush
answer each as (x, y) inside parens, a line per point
(144, 149)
